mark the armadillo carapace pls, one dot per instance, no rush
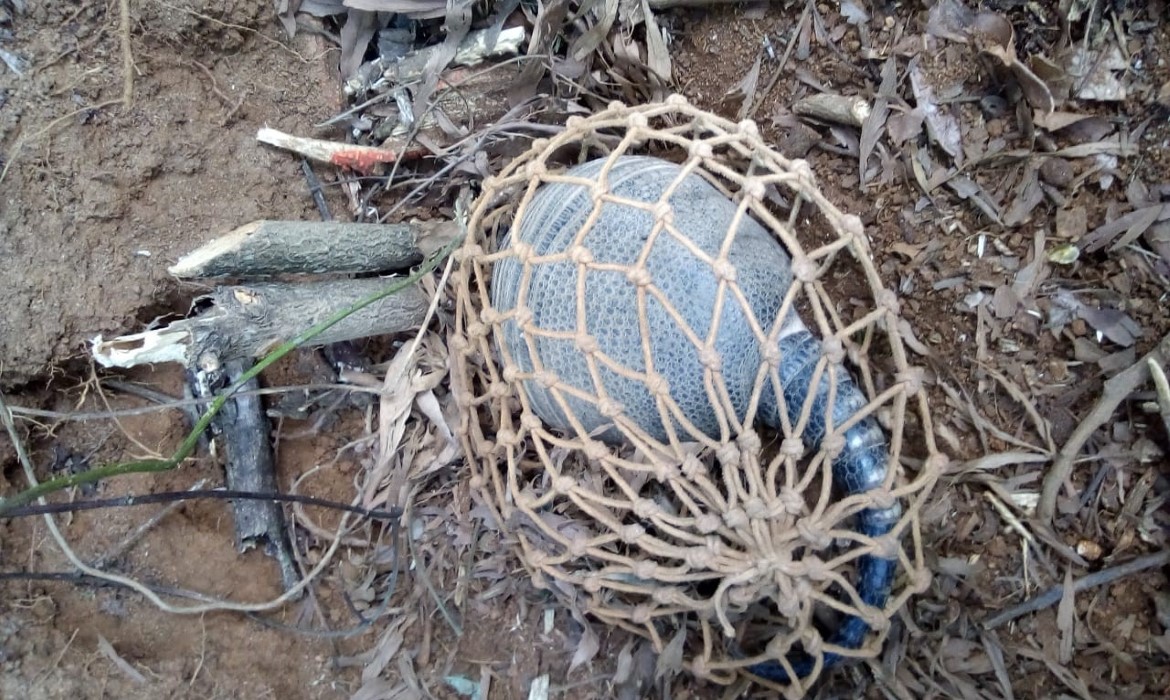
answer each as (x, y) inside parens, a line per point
(618, 302)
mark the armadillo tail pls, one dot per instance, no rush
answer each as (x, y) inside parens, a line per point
(860, 467)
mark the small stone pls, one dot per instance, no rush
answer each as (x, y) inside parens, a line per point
(1057, 172)
(1089, 550)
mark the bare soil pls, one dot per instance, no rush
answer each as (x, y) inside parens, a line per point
(97, 201)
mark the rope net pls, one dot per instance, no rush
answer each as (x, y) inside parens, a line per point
(621, 397)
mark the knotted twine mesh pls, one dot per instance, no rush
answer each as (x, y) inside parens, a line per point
(724, 550)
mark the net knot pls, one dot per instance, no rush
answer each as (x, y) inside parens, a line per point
(609, 408)
(749, 442)
(470, 251)
(753, 188)
(595, 450)
(833, 350)
(564, 484)
(707, 523)
(638, 276)
(792, 447)
(881, 499)
(804, 270)
(530, 421)
(536, 170)
(724, 271)
(476, 330)
(728, 455)
(936, 464)
(735, 518)
(641, 614)
(630, 534)
(920, 580)
(912, 380)
(832, 445)
(657, 385)
(755, 508)
(507, 437)
(522, 316)
(700, 149)
(700, 558)
(578, 545)
(815, 535)
(523, 251)
(664, 213)
(645, 508)
(581, 255)
(887, 300)
(747, 127)
(791, 501)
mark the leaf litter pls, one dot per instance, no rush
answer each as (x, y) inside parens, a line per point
(1024, 218)
(998, 128)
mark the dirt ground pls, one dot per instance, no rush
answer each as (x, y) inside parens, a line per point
(100, 197)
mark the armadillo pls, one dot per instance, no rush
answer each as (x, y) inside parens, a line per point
(615, 245)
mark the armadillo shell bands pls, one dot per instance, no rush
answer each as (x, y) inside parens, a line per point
(678, 276)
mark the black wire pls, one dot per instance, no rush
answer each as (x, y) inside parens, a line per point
(212, 494)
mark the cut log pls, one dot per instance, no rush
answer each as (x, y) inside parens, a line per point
(247, 321)
(265, 248)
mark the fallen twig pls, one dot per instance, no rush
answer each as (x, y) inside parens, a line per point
(246, 321)
(263, 248)
(242, 431)
(850, 110)
(1100, 578)
(1117, 389)
(363, 159)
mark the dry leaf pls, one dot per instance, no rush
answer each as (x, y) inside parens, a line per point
(670, 661)
(905, 126)
(745, 89)
(1114, 324)
(1140, 219)
(942, 126)
(359, 28)
(587, 648)
(657, 55)
(997, 38)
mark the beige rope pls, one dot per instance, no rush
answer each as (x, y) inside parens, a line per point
(737, 535)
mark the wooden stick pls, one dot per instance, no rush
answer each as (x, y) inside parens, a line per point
(850, 110)
(245, 322)
(1100, 578)
(264, 248)
(363, 159)
(243, 434)
(1117, 389)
